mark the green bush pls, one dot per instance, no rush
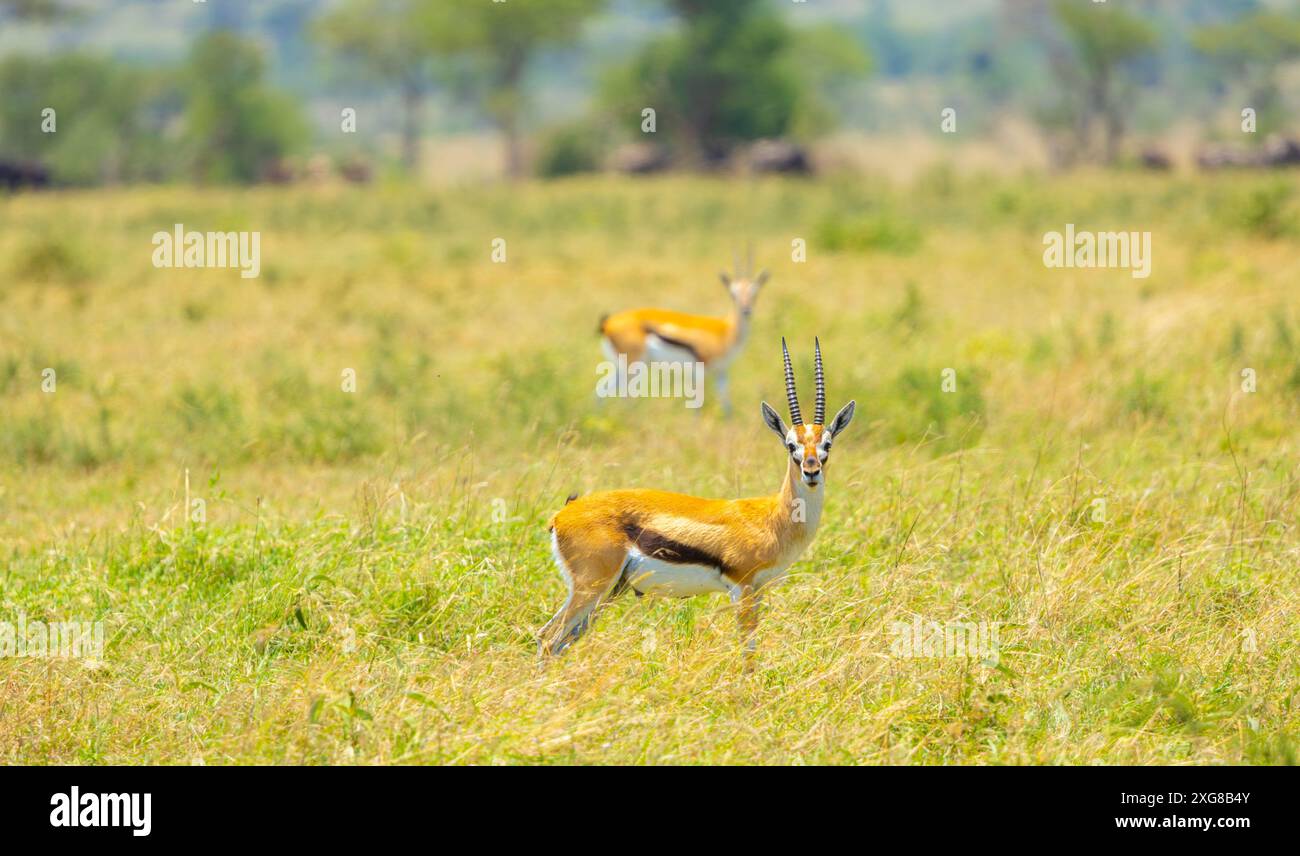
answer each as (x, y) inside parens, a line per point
(947, 417)
(1264, 211)
(51, 258)
(1145, 397)
(569, 150)
(880, 232)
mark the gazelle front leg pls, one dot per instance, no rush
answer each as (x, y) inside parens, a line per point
(747, 601)
(722, 385)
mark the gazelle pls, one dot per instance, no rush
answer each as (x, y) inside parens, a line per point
(667, 543)
(667, 336)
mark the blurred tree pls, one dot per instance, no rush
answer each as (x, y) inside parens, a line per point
(482, 50)
(388, 41)
(33, 10)
(237, 128)
(107, 123)
(733, 72)
(891, 48)
(825, 61)
(1250, 49)
(499, 41)
(1104, 38)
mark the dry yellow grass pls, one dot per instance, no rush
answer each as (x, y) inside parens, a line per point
(1099, 484)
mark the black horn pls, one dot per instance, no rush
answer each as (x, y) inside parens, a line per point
(819, 417)
(791, 396)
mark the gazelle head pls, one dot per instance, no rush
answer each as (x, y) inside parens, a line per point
(744, 285)
(809, 446)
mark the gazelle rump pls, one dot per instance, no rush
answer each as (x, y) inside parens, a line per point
(667, 336)
(655, 542)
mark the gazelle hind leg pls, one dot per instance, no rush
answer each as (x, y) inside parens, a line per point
(549, 628)
(573, 619)
(590, 581)
(610, 353)
(630, 349)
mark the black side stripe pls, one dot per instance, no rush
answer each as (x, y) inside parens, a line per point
(677, 343)
(665, 549)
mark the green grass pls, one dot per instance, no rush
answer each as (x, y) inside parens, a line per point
(370, 569)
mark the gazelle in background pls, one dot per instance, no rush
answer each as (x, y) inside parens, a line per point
(668, 543)
(667, 336)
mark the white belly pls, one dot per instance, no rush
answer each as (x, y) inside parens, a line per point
(659, 351)
(653, 576)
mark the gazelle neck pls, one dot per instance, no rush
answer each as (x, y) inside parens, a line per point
(799, 507)
(737, 328)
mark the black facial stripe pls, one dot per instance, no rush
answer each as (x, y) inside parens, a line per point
(659, 546)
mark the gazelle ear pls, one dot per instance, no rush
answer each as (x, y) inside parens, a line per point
(762, 278)
(773, 421)
(843, 418)
(726, 280)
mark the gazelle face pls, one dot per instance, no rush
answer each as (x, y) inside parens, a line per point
(744, 291)
(809, 446)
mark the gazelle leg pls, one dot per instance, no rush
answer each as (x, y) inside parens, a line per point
(722, 385)
(611, 356)
(588, 587)
(575, 618)
(621, 353)
(747, 600)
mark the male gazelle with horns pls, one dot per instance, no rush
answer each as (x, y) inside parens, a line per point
(667, 543)
(666, 336)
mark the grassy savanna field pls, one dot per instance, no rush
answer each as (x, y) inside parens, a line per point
(373, 566)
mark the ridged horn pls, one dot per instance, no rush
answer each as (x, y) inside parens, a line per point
(819, 416)
(790, 395)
